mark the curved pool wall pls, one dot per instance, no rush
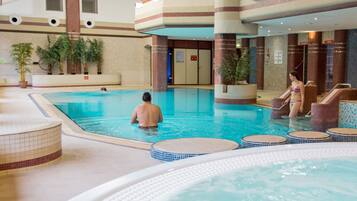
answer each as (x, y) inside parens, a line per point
(187, 113)
(161, 182)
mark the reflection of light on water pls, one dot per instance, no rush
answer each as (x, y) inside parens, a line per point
(260, 110)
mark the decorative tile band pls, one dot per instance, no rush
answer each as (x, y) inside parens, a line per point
(31, 162)
(169, 156)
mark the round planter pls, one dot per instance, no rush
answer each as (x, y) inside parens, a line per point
(235, 94)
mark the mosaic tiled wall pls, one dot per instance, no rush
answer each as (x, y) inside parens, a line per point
(348, 114)
(352, 57)
(30, 148)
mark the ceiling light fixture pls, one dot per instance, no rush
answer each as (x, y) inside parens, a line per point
(260, 27)
(269, 31)
(289, 29)
(316, 18)
(281, 22)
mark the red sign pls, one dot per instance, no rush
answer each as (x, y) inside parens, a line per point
(86, 77)
(194, 57)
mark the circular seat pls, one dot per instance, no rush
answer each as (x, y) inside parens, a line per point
(297, 137)
(343, 134)
(176, 149)
(263, 140)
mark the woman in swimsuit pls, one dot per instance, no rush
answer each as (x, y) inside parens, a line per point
(297, 95)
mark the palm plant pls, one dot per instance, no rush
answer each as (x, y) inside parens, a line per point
(48, 56)
(228, 69)
(62, 47)
(234, 69)
(96, 53)
(21, 53)
(81, 53)
(243, 68)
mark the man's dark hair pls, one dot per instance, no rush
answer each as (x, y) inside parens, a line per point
(146, 97)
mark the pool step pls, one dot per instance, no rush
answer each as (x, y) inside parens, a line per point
(176, 149)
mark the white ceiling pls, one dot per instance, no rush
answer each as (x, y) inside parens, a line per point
(324, 21)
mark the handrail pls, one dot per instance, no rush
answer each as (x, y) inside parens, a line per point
(281, 107)
(337, 86)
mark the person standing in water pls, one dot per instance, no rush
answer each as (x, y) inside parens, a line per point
(147, 115)
(297, 90)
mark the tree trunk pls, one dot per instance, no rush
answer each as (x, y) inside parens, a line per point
(85, 68)
(61, 69)
(49, 70)
(99, 68)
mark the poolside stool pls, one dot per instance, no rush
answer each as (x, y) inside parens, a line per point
(262, 140)
(181, 148)
(298, 137)
(343, 134)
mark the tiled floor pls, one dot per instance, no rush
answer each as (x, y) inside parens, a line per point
(84, 164)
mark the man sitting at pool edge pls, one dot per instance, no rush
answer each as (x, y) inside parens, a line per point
(147, 114)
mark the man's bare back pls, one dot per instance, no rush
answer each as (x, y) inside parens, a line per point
(147, 115)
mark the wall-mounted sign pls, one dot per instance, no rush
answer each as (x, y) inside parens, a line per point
(194, 58)
(278, 57)
(180, 56)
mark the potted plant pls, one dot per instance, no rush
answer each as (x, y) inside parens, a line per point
(21, 54)
(48, 57)
(81, 53)
(62, 48)
(96, 53)
(235, 88)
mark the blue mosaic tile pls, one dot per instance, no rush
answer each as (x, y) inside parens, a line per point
(169, 156)
(297, 140)
(348, 115)
(337, 137)
(247, 144)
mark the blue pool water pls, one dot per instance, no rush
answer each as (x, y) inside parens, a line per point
(187, 113)
(321, 180)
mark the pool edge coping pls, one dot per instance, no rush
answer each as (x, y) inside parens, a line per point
(70, 128)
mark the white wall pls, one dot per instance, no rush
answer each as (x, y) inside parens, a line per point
(117, 11)
(121, 11)
(30, 8)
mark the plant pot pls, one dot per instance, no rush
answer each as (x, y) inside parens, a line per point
(235, 94)
(23, 84)
(99, 73)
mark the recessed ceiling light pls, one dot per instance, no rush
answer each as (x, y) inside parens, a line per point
(260, 27)
(281, 22)
(316, 18)
(268, 31)
(289, 29)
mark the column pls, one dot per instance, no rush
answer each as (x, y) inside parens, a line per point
(260, 54)
(245, 44)
(295, 57)
(159, 63)
(225, 44)
(314, 43)
(73, 28)
(339, 57)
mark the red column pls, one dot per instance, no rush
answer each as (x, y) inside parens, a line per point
(314, 43)
(339, 57)
(73, 29)
(295, 57)
(159, 63)
(260, 54)
(225, 44)
(245, 44)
